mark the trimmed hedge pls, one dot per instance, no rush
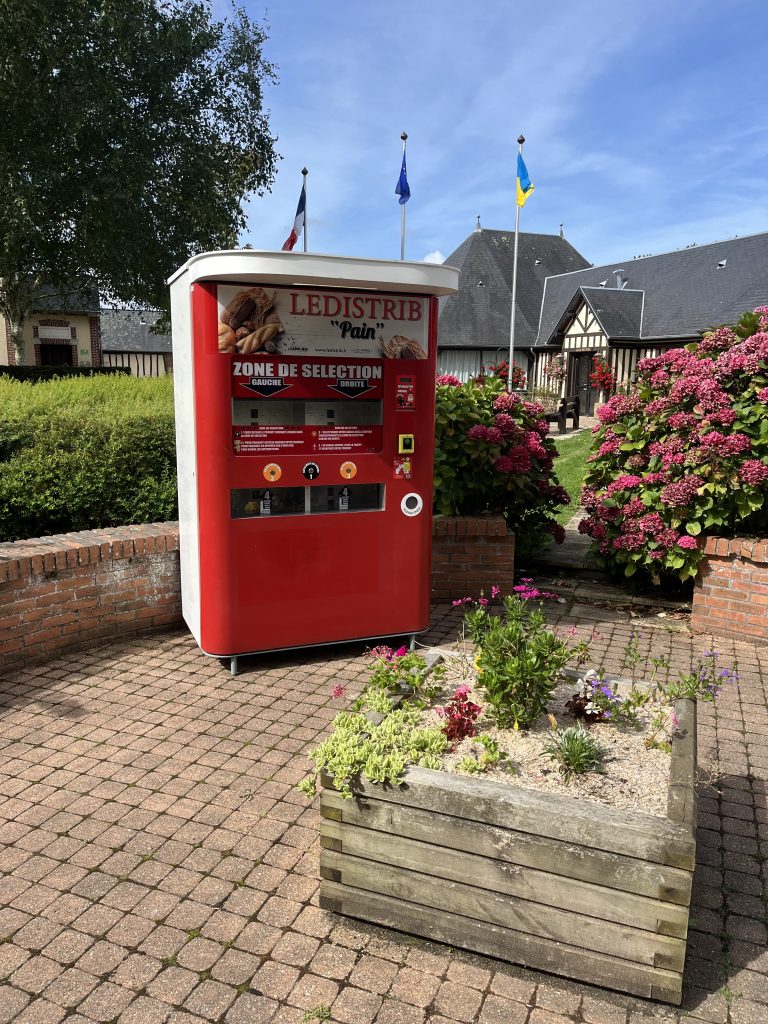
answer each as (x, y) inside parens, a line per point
(85, 452)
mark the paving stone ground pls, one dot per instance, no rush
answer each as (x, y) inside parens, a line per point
(158, 866)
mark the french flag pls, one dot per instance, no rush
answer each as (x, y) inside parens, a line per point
(298, 224)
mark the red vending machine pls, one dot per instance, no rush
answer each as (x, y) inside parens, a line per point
(305, 393)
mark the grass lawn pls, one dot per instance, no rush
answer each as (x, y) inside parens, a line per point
(570, 468)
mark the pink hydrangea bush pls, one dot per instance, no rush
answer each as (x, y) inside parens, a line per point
(684, 455)
(493, 454)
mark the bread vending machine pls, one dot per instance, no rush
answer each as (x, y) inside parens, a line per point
(305, 394)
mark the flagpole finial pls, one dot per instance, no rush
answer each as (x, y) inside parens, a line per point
(520, 139)
(304, 171)
(404, 136)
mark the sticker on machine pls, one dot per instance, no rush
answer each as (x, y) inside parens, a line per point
(280, 439)
(293, 321)
(403, 468)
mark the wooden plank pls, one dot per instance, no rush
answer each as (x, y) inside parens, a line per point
(681, 801)
(482, 905)
(555, 890)
(632, 833)
(614, 871)
(513, 946)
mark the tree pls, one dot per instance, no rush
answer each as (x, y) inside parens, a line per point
(131, 133)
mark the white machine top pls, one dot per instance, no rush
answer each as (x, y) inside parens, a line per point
(315, 270)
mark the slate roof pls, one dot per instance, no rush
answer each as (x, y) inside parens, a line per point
(478, 315)
(54, 300)
(129, 330)
(683, 292)
(619, 311)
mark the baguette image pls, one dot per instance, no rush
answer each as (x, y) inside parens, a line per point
(249, 323)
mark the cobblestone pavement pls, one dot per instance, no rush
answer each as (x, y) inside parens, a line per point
(158, 864)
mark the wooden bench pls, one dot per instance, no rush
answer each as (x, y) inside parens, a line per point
(568, 406)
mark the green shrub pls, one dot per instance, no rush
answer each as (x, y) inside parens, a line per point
(575, 751)
(684, 455)
(492, 454)
(82, 453)
(518, 660)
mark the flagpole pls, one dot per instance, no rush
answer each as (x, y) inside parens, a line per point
(404, 137)
(520, 141)
(305, 172)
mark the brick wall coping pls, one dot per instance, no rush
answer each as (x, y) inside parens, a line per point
(73, 589)
(20, 558)
(754, 549)
(730, 594)
(485, 525)
(58, 551)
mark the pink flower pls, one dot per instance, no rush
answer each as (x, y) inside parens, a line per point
(483, 602)
(624, 483)
(680, 494)
(506, 424)
(478, 432)
(518, 460)
(338, 691)
(688, 543)
(534, 409)
(401, 652)
(495, 591)
(557, 531)
(762, 395)
(651, 524)
(448, 378)
(505, 402)
(609, 447)
(682, 421)
(635, 507)
(753, 471)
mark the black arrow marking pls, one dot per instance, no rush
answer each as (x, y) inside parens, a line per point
(352, 388)
(267, 390)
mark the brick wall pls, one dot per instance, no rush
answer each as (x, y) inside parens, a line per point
(62, 592)
(71, 590)
(731, 592)
(469, 554)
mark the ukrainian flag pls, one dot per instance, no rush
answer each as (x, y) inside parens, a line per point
(524, 186)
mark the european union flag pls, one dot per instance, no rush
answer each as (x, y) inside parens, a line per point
(402, 189)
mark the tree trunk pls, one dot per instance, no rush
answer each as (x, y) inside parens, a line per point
(17, 340)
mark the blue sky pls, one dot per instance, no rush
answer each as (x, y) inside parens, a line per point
(646, 123)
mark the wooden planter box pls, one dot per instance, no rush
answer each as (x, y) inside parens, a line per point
(575, 888)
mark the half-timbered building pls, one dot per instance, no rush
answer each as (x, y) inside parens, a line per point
(635, 308)
(130, 341)
(475, 322)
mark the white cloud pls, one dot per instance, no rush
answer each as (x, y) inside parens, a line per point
(434, 257)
